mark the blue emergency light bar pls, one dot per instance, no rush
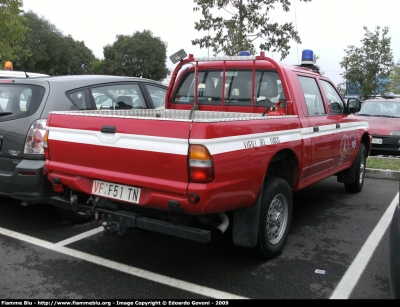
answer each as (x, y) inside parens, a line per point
(307, 57)
(244, 53)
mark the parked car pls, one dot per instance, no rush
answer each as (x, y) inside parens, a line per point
(102, 100)
(394, 252)
(9, 72)
(383, 117)
(24, 107)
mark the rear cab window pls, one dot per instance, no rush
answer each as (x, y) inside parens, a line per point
(18, 100)
(235, 87)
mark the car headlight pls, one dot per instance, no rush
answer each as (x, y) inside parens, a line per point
(395, 132)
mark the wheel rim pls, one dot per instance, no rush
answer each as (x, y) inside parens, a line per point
(362, 167)
(277, 218)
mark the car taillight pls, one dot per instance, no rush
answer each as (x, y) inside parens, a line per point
(201, 166)
(45, 147)
(34, 140)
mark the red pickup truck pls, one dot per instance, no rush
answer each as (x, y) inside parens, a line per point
(237, 136)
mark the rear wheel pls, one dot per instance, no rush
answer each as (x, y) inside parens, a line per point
(275, 217)
(360, 162)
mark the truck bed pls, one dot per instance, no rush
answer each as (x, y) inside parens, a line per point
(149, 149)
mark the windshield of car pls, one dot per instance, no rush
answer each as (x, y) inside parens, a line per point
(380, 108)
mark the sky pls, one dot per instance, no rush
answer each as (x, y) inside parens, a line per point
(327, 27)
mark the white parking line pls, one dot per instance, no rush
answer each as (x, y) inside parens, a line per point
(80, 236)
(172, 282)
(353, 273)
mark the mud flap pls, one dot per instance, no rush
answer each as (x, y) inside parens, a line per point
(245, 225)
(348, 175)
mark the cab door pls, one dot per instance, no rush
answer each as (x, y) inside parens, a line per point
(320, 129)
(345, 144)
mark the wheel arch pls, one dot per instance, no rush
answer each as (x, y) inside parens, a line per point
(284, 164)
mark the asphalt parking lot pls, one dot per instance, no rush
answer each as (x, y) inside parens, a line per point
(337, 248)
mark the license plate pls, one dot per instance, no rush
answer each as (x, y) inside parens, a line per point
(116, 191)
(376, 141)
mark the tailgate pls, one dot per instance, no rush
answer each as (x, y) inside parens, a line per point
(142, 152)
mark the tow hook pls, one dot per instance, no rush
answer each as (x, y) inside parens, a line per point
(74, 202)
(110, 228)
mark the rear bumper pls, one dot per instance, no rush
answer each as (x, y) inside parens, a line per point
(224, 196)
(119, 221)
(26, 182)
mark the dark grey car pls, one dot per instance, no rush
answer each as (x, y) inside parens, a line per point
(24, 107)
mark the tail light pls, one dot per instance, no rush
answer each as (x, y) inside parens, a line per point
(34, 140)
(45, 147)
(201, 166)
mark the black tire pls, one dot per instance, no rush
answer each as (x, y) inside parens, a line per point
(276, 212)
(360, 163)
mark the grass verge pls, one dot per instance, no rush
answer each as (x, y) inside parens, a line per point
(383, 163)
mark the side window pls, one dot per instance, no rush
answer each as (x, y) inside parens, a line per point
(157, 95)
(312, 95)
(118, 96)
(335, 103)
(80, 99)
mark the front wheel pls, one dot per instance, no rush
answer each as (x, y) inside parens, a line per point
(359, 164)
(275, 217)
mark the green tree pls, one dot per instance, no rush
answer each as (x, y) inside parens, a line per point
(248, 21)
(369, 67)
(11, 28)
(80, 58)
(139, 55)
(395, 79)
(50, 52)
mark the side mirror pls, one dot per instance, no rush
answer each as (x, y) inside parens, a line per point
(353, 105)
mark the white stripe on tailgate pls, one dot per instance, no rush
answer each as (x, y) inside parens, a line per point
(120, 140)
(180, 146)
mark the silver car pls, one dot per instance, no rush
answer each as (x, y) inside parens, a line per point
(24, 107)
